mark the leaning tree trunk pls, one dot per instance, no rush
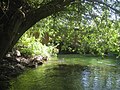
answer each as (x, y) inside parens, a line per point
(16, 21)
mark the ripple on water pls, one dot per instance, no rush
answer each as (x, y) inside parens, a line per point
(63, 76)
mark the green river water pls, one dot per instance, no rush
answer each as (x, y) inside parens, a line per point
(71, 72)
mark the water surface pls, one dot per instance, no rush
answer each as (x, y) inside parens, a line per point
(71, 72)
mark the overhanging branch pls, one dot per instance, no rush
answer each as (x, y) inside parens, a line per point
(35, 15)
(47, 10)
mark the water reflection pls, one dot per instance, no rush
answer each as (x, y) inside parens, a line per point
(100, 79)
(69, 77)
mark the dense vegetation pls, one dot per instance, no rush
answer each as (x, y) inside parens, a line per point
(80, 28)
(15, 20)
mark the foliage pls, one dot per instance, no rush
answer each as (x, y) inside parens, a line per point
(29, 46)
(80, 28)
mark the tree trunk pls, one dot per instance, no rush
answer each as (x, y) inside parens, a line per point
(17, 22)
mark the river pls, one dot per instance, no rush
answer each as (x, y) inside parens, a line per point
(71, 72)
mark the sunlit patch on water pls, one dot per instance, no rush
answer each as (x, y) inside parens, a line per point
(73, 73)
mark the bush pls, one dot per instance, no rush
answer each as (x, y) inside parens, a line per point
(29, 46)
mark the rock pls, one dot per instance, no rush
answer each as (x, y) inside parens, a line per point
(17, 53)
(20, 66)
(45, 58)
(18, 59)
(13, 53)
(8, 55)
(37, 60)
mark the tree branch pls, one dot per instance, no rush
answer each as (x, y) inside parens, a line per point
(36, 15)
(46, 10)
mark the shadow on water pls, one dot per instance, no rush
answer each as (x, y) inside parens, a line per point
(69, 76)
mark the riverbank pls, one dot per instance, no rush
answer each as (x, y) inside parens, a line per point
(71, 72)
(11, 67)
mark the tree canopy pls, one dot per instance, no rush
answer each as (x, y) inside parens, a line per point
(17, 16)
